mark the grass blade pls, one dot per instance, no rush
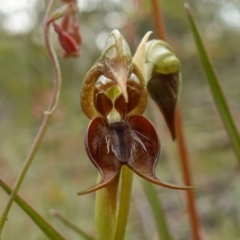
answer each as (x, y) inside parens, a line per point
(157, 210)
(213, 82)
(71, 225)
(46, 227)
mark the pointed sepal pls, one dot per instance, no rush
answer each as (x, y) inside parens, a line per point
(146, 152)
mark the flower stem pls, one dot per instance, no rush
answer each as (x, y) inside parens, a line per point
(126, 188)
(38, 139)
(181, 143)
(106, 210)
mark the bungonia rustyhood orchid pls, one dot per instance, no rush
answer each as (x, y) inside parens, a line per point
(114, 96)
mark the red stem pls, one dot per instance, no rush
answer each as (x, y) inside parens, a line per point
(158, 20)
(181, 143)
(187, 177)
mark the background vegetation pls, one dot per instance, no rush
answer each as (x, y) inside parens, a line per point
(61, 167)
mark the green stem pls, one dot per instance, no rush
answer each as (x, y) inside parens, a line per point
(126, 188)
(71, 225)
(38, 139)
(157, 210)
(106, 209)
(215, 87)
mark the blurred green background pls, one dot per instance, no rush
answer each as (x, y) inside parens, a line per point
(61, 167)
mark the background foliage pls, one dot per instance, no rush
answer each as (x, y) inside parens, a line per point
(61, 167)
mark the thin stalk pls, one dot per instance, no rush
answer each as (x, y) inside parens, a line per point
(71, 225)
(158, 20)
(106, 210)
(43, 128)
(187, 176)
(126, 188)
(157, 210)
(181, 143)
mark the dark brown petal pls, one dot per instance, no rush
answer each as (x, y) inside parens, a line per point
(102, 158)
(146, 151)
(102, 103)
(134, 96)
(164, 88)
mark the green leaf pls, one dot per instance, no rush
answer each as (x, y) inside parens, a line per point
(46, 227)
(213, 82)
(157, 210)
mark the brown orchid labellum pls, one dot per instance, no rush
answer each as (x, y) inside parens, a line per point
(113, 95)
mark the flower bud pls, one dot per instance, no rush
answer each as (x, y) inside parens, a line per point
(163, 79)
(67, 43)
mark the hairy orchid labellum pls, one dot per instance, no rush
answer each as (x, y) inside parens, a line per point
(113, 95)
(163, 79)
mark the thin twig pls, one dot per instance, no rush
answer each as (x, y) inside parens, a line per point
(42, 130)
(181, 143)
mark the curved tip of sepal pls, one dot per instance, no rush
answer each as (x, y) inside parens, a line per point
(103, 183)
(156, 181)
(92, 189)
(151, 177)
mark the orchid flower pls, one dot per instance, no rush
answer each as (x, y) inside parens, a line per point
(114, 96)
